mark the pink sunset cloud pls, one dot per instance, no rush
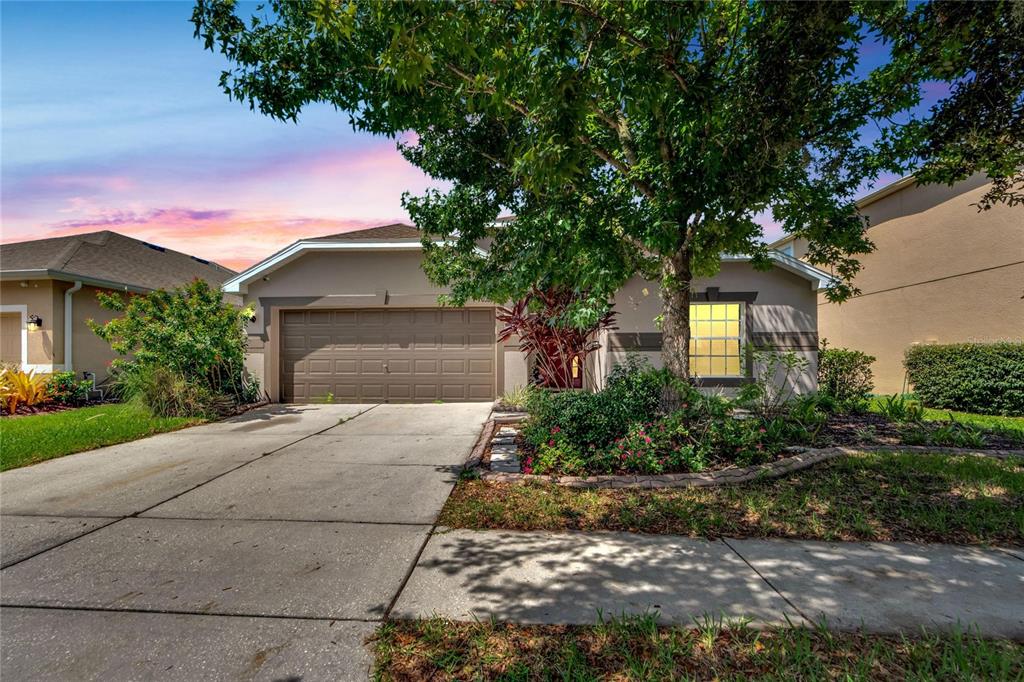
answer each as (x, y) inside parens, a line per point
(232, 238)
(234, 211)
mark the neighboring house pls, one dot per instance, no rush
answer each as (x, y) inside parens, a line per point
(55, 281)
(352, 317)
(941, 272)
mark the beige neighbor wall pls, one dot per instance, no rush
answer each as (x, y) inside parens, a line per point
(45, 298)
(942, 272)
(40, 297)
(348, 279)
(89, 352)
(781, 310)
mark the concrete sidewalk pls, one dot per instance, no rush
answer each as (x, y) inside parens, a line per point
(542, 577)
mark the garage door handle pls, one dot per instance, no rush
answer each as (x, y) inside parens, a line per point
(387, 370)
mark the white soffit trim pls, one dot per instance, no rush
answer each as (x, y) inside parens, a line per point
(239, 283)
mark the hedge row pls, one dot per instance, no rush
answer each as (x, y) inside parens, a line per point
(987, 378)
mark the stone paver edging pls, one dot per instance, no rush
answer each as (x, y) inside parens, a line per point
(801, 459)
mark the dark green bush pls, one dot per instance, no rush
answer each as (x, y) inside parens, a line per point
(586, 419)
(844, 374)
(187, 342)
(986, 378)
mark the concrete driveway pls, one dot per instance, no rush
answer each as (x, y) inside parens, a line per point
(267, 546)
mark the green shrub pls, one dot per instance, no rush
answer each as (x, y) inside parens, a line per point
(65, 388)
(187, 340)
(986, 378)
(844, 374)
(596, 419)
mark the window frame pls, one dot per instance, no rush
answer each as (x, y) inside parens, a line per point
(744, 364)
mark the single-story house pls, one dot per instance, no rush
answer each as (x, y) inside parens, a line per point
(942, 272)
(352, 317)
(48, 290)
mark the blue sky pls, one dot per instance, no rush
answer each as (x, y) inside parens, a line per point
(112, 118)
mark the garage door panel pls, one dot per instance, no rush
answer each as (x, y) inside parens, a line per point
(480, 392)
(346, 367)
(375, 366)
(425, 366)
(453, 341)
(481, 367)
(399, 366)
(483, 318)
(319, 318)
(426, 317)
(345, 341)
(320, 366)
(345, 318)
(371, 317)
(388, 355)
(453, 366)
(425, 342)
(294, 342)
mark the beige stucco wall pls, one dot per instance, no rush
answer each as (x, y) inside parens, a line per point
(353, 279)
(784, 303)
(941, 272)
(42, 298)
(45, 298)
(89, 352)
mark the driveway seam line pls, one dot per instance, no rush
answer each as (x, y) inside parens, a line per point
(243, 464)
(174, 497)
(171, 612)
(61, 544)
(767, 582)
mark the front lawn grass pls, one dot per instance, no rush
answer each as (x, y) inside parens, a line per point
(1012, 426)
(38, 437)
(872, 496)
(636, 648)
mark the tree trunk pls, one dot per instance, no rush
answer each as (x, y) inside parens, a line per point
(675, 326)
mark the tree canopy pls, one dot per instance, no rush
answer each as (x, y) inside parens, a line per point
(640, 137)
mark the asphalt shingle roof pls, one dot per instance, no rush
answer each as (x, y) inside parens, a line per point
(397, 231)
(111, 257)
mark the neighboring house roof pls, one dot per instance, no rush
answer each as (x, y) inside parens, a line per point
(400, 236)
(382, 232)
(106, 259)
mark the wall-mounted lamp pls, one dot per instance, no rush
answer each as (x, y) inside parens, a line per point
(34, 324)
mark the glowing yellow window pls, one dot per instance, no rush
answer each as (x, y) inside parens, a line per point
(716, 339)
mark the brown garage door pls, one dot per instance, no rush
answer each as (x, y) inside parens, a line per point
(402, 355)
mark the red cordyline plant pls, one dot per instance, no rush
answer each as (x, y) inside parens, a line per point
(538, 319)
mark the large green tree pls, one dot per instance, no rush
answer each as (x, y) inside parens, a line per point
(631, 137)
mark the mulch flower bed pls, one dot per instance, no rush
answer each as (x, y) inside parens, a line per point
(874, 429)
